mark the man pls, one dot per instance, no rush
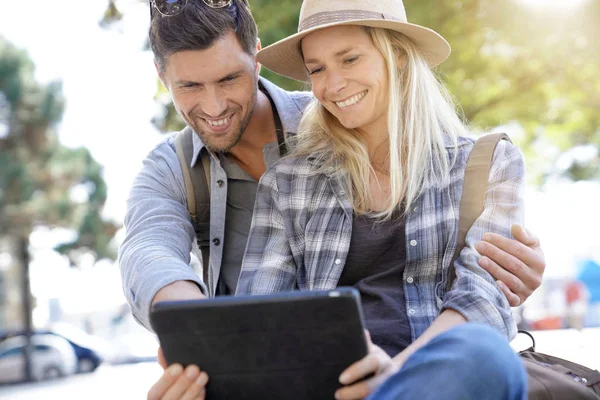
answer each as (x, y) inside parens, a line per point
(205, 56)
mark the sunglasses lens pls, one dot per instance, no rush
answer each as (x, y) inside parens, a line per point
(169, 7)
(217, 3)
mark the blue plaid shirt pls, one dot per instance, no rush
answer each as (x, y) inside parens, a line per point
(302, 226)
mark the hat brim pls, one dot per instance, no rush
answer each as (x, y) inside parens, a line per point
(284, 57)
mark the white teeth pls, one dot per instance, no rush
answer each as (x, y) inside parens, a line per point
(219, 122)
(351, 101)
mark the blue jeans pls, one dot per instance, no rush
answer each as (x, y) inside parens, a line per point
(470, 361)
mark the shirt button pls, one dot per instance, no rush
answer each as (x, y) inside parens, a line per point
(216, 241)
(411, 311)
(413, 243)
(220, 183)
(338, 261)
(410, 279)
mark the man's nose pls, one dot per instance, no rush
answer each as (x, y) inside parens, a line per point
(215, 104)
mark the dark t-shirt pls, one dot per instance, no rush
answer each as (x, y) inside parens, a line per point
(375, 266)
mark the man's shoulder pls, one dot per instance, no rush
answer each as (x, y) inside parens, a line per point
(167, 144)
(163, 156)
(300, 97)
(289, 104)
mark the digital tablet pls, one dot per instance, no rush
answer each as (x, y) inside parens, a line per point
(290, 346)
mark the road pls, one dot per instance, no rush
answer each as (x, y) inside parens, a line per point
(108, 382)
(133, 381)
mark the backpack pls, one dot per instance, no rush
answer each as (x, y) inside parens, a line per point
(197, 190)
(549, 377)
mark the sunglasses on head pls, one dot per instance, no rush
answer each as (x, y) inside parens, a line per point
(169, 8)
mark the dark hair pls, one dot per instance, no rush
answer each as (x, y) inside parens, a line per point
(198, 26)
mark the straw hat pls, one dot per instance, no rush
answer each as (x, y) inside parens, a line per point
(285, 58)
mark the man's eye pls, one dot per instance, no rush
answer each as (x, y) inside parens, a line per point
(229, 78)
(315, 71)
(188, 85)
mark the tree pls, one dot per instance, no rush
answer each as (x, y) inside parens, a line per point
(40, 178)
(511, 64)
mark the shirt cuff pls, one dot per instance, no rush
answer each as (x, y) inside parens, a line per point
(162, 274)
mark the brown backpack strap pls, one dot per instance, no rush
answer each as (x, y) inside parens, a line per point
(475, 186)
(197, 189)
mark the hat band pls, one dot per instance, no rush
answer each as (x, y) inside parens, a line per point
(328, 17)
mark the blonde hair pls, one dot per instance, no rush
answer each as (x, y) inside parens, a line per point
(420, 114)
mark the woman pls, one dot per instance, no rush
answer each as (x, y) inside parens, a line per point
(369, 198)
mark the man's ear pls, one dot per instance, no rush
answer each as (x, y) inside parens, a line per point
(160, 75)
(258, 48)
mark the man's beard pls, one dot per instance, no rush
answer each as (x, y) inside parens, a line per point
(213, 147)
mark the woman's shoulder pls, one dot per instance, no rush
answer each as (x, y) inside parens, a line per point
(464, 145)
(296, 165)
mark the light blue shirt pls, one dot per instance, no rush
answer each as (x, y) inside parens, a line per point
(159, 235)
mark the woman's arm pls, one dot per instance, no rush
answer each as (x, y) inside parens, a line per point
(381, 366)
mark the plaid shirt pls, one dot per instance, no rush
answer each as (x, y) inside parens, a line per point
(302, 227)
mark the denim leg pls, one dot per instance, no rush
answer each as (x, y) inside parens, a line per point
(470, 361)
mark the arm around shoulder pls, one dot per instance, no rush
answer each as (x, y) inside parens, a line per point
(474, 292)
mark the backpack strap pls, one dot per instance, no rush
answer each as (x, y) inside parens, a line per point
(197, 189)
(475, 186)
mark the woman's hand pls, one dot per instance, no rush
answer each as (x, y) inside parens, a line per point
(376, 363)
(177, 383)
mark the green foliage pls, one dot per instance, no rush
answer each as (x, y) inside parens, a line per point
(38, 174)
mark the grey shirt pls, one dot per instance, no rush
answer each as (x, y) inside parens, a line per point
(159, 234)
(238, 215)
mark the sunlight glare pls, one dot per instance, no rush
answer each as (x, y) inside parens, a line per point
(553, 4)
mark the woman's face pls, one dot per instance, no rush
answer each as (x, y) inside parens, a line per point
(348, 76)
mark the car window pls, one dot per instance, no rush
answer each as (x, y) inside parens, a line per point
(11, 352)
(42, 347)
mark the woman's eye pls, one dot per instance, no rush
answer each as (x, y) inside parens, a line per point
(351, 60)
(315, 71)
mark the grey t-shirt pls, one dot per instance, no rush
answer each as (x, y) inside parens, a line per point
(241, 194)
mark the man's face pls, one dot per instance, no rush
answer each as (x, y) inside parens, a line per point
(214, 90)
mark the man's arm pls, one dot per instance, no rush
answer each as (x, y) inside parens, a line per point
(475, 293)
(517, 265)
(159, 235)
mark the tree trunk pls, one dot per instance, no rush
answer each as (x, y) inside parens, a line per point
(26, 301)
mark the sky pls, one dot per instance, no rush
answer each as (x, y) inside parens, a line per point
(109, 84)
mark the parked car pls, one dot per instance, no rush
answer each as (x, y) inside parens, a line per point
(52, 357)
(90, 350)
(133, 348)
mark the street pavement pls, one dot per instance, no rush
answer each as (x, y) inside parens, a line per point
(108, 382)
(132, 381)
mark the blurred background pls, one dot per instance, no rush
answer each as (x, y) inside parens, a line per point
(80, 107)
